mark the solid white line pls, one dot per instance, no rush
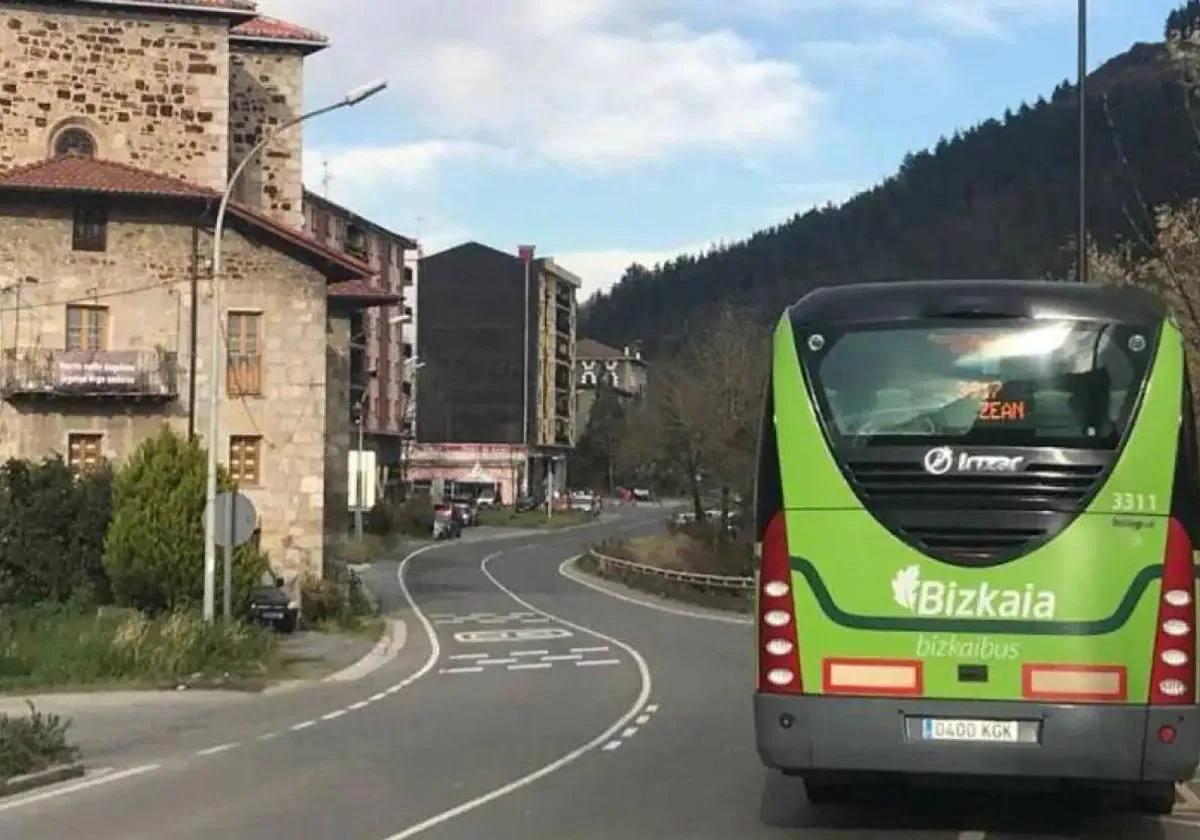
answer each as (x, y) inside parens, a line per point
(374, 698)
(392, 689)
(589, 662)
(303, 725)
(567, 570)
(334, 715)
(583, 749)
(529, 653)
(611, 745)
(643, 720)
(630, 732)
(468, 656)
(9, 805)
(589, 650)
(476, 670)
(435, 648)
(530, 666)
(361, 704)
(220, 748)
(563, 657)
(268, 736)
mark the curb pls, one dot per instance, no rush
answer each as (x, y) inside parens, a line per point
(386, 649)
(29, 781)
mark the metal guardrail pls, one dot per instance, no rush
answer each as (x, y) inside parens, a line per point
(729, 582)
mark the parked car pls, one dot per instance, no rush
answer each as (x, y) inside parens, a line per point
(270, 606)
(525, 503)
(445, 525)
(642, 494)
(486, 500)
(465, 511)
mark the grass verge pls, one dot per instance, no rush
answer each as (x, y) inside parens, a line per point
(507, 518)
(52, 648)
(32, 743)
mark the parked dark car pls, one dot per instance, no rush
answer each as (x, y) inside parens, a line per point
(526, 503)
(465, 511)
(270, 606)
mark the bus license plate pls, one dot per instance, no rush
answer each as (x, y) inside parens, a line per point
(992, 731)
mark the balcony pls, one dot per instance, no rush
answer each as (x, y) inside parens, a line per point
(136, 375)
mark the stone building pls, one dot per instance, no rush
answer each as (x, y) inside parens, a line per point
(120, 124)
(383, 361)
(599, 366)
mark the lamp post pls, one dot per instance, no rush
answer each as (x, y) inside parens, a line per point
(1081, 271)
(526, 253)
(210, 522)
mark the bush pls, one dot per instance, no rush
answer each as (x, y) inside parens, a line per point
(54, 646)
(154, 549)
(339, 598)
(414, 518)
(52, 528)
(33, 743)
(381, 519)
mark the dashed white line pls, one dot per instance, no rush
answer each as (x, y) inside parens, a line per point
(643, 720)
(477, 669)
(530, 666)
(529, 653)
(11, 804)
(220, 748)
(375, 698)
(268, 736)
(630, 732)
(334, 715)
(652, 709)
(611, 745)
(297, 727)
(588, 662)
(361, 704)
(496, 661)
(590, 650)
(469, 656)
(563, 657)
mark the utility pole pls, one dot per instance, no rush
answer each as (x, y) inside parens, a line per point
(359, 484)
(526, 252)
(1081, 271)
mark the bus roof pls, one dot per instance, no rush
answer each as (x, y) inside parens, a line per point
(926, 299)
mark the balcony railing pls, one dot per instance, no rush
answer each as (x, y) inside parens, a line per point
(109, 374)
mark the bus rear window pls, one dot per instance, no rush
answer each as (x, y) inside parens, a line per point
(1011, 383)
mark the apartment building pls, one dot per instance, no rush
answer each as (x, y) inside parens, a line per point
(383, 362)
(474, 385)
(120, 122)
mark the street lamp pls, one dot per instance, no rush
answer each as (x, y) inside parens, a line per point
(1081, 272)
(210, 521)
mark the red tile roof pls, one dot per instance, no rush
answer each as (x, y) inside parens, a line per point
(364, 292)
(73, 173)
(264, 28)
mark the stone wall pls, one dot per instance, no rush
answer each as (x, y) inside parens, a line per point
(338, 430)
(146, 251)
(266, 87)
(153, 90)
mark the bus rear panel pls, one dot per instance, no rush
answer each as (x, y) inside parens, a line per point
(976, 510)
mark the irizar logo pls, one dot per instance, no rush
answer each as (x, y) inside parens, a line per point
(935, 598)
(942, 459)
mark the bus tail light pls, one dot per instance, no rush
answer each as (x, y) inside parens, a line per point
(1173, 673)
(890, 677)
(778, 653)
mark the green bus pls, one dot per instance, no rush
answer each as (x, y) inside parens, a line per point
(975, 512)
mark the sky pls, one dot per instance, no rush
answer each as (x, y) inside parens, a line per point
(611, 131)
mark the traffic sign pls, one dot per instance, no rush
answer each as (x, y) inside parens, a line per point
(243, 523)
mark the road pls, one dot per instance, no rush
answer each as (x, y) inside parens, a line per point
(528, 702)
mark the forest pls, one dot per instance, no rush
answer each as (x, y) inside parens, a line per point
(996, 201)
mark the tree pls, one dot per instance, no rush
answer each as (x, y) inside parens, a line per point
(594, 463)
(154, 549)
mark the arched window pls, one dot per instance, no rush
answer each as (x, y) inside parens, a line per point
(75, 141)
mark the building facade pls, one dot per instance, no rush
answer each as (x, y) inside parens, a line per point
(599, 366)
(473, 351)
(383, 362)
(120, 125)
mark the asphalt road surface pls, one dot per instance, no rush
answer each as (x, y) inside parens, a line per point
(529, 702)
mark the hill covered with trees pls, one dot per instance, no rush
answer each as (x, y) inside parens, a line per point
(997, 201)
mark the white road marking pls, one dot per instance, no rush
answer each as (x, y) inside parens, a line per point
(563, 657)
(297, 727)
(602, 739)
(529, 653)
(630, 732)
(392, 689)
(567, 570)
(643, 720)
(374, 698)
(1188, 795)
(220, 748)
(268, 736)
(334, 715)
(472, 670)
(469, 656)
(590, 662)
(652, 709)
(611, 745)
(589, 650)
(361, 704)
(496, 661)
(11, 804)
(535, 634)
(530, 666)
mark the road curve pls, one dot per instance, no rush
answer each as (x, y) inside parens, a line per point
(529, 702)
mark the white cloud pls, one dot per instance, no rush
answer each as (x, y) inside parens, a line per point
(580, 82)
(402, 164)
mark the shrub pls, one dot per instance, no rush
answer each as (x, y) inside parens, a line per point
(154, 549)
(33, 743)
(339, 598)
(381, 519)
(52, 529)
(414, 518)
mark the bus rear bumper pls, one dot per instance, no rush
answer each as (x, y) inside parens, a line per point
(1085, 742)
